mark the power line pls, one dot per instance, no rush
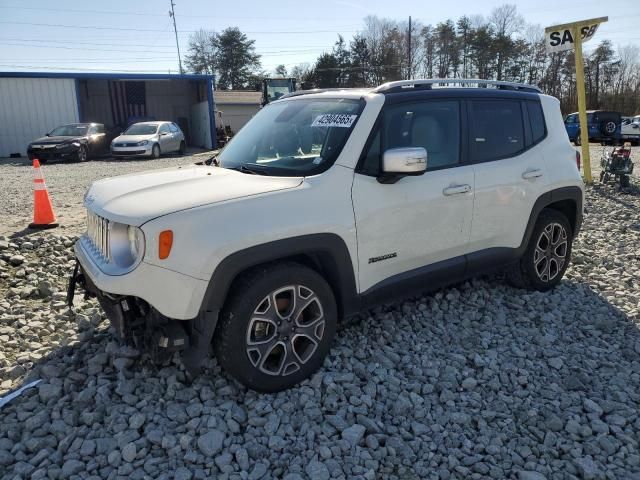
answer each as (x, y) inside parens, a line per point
(149, 14)
(98, 27)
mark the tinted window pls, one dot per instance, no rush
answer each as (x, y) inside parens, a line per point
(173, 127)
(433, 125)
(497, 130)
(536, 119)
(164, 128)
(572, 119)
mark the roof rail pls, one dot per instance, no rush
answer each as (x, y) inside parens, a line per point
(427, 84)
(317, 90)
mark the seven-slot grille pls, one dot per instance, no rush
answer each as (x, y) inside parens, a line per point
(98, 234)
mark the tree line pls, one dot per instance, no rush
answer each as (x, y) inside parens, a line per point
(501, 46)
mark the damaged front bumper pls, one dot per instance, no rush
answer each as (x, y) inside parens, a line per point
(139, 323)
(133, 319)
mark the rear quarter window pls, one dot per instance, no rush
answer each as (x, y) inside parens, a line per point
(536, 120)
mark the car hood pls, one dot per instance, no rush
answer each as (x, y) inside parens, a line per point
(137, 198)
(134, 138)
(55, 140)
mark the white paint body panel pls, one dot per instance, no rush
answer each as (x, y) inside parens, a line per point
(412, 218)
(31, 107)
(214, 213)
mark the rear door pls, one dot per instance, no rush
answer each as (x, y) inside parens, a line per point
(506, 146)
(407, 227)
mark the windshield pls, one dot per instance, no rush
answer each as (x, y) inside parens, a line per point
(296, 137)
(141, 129)
(69, 131)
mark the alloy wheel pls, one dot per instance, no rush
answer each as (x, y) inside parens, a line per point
(550, 253)
(285, 330)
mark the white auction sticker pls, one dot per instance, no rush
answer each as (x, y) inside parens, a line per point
(334, 120)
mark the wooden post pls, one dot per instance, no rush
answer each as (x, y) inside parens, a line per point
(582, 104)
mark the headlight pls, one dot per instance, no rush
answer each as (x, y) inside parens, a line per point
(126, 245)
(143, 142)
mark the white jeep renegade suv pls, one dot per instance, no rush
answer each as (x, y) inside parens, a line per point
(325, 203)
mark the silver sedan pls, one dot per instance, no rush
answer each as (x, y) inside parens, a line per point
(149, 139)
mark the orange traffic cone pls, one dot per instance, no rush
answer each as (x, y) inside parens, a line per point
(43, 216)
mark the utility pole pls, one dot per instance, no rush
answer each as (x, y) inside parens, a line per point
(172, 14)
(409, 70)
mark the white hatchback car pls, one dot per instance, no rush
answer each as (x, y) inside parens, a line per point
(149, 139)
(326, 203)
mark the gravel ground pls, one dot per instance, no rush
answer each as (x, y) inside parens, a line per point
(67, 184)
(477, 381)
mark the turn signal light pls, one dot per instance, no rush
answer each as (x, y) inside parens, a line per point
(165, 243)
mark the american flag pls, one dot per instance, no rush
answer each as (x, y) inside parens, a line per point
(128, 99)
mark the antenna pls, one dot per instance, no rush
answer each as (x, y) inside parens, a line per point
(172, 14)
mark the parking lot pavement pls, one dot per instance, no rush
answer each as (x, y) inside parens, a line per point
(67, 184)
(480, 380)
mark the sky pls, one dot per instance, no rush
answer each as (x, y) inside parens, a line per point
(138, 36)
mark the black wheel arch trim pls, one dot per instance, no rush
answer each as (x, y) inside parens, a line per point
(328, 251)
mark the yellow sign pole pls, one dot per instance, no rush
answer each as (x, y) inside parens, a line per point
(582, 104)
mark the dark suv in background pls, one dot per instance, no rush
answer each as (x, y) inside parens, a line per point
(604, 126)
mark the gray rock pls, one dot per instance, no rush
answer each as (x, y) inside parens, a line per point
(71, 467)
(16, 260)
(317, 470)
(530, 475)
(592, 407)
(182, 473)
(587, 468)
(259, 471)
(211, 442)
(47, 391)
(469, 383)
(129, 452)
(353, 434)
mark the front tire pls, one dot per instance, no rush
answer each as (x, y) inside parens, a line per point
(547, 255)
(277, 327)
(155, 151)
(82, 154)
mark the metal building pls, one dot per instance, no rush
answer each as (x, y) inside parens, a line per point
(32, 104)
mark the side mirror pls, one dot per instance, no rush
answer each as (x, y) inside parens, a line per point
(400, 162)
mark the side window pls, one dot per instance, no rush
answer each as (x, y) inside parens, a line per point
(173, 127)
(496, 129)
(434, 125)
(99, 129)
(536, 120)
(164, 128)
(93, 129)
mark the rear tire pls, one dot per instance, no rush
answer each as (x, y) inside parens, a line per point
(276, 328)
(547, 255)
(155, 151)
(576, 141)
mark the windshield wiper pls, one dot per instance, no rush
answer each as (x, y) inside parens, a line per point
(244, 169)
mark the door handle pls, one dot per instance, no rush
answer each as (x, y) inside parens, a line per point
(529, 174)
(456, 190)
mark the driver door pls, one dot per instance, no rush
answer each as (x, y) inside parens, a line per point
(420, 224)
(165, 139)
